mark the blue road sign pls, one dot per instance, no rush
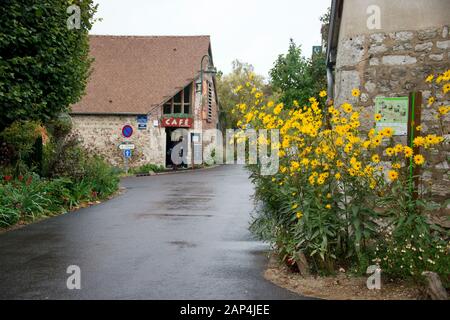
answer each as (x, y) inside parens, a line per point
(142, 119)
(127, 131)
(127, 153)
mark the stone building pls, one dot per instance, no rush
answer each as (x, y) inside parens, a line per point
(151, 83)
(386, 49)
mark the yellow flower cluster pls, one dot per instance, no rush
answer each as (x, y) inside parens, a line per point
(326, 146)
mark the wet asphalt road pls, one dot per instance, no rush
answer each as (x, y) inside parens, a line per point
(175, 236)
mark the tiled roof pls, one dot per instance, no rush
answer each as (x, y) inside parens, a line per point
(133, 74)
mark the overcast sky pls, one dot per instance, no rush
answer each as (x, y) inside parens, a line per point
(254, 31)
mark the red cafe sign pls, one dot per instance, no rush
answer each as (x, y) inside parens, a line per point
(177, 122)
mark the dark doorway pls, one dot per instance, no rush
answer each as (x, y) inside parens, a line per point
(171, 144)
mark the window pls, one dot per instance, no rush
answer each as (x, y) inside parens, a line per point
(180, 103)
(187, 99)
(177, 108)
(167, 108)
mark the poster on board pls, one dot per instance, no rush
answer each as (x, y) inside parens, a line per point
(394, 112)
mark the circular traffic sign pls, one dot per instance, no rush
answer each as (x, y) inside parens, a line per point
(127, 131)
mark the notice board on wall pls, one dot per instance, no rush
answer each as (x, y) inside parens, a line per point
(394, 112)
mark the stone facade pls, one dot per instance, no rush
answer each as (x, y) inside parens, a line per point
(102, 134)
(390, 64)
(393, 64)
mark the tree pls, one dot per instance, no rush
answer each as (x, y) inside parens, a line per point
(226, 85)
(44, 64)
(296, 78)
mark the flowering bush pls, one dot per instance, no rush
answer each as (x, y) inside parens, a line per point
(340, 189)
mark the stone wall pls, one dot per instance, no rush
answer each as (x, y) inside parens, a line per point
(392, 64)
(102, 134)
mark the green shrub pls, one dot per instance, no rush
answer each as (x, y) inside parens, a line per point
(65, 157)
(101, 177)
(146, 168)
(31, 197)
(9, 212)
(413, 246)
(19, 146)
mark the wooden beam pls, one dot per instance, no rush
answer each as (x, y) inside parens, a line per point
(414, 120)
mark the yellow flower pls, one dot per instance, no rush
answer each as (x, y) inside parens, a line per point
(390, 152)
(323, 94)
(398, 148)
(348, 148)
(419, 141)
(258, 95)
(388, 132)
(278, 109)
(444, 110)
(347, 107)
(294, 206)
(338, 176)
(396, 165)
(408, 152)
(355, 116)
(431, 100)
(446, 75)
(393, 175)
(376, 141)
(329, 196)
(419, 159)
(378, 117)
(357, 166)
(429, 78)
(270, 104)
(339, 142)
(328, 206)
(368, 170)
(299, 214)
(356, 92)
(375, 158)
(419, 128)
(446, 88)
(294, 165)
